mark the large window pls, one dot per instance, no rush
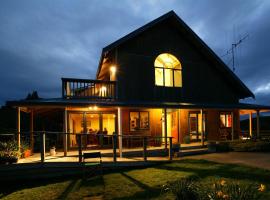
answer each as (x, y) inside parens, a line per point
(139, 120)
(225, 120)
(168, 71)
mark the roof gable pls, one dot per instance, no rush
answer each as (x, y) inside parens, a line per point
(242, 89)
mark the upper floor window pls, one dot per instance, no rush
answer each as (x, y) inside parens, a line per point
(168, 71)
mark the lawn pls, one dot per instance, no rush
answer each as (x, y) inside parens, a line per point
(138, 183)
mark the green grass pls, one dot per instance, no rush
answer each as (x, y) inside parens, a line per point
(138, 183)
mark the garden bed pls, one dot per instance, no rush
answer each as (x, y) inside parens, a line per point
(240, 146)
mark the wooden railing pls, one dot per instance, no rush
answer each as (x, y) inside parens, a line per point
(88, 89)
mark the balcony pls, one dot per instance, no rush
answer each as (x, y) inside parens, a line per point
(88, 89)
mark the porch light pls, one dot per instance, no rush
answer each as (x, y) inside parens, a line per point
(113, 69)
(103, 90)
(93, 108)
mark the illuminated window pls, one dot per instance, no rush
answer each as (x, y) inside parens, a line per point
(225, 120)
(168, 71)
(139, 120)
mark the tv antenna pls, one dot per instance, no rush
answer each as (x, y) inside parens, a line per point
(232, 50)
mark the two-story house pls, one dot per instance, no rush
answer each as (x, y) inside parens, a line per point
(160, 80)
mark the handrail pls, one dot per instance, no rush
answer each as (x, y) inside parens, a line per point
(87, 88)
(87, 80)
(93, 134)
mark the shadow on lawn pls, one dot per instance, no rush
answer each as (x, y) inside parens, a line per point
(229, 171)
(147, 193)
(200, 168)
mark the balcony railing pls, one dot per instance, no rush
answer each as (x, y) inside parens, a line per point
(88, 89)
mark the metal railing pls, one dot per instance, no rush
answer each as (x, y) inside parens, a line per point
(88, 89)
(45, 137)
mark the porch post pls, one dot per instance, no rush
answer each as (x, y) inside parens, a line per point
(120, 133)
(32, 130)
(250, 124)
(232, 121)
(65, 133)
(258, 123)
(19, 127)
(202, 131)
(165, 127)
(42, 146)
(179, 124)
(170, 149)
(145, 148)
(80, 147)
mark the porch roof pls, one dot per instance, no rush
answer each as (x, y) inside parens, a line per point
(60, 102)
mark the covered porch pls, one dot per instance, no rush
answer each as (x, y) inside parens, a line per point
(136, 126)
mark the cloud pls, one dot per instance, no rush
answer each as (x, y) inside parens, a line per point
(264, 89)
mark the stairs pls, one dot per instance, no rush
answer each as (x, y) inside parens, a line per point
(192, 151)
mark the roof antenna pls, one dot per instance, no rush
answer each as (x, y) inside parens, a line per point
(234, 45)
(232, 50)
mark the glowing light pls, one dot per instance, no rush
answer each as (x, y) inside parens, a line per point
(113, 69)
(93, 108)
(103, 89)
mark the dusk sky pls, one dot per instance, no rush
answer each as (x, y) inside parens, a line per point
(42, 41)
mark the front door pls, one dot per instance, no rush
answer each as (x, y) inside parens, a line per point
(196, 128)
(172, 125)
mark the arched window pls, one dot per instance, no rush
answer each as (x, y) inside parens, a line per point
(168, 71)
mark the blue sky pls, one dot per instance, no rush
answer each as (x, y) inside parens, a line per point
(42, 41)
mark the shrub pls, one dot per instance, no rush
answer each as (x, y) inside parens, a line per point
(223, 147)
(250, 146)
(183, 189)
(9, 152)
(186, 189)
(233, 191)
(243, 146)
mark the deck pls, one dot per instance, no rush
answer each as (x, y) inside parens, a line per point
(129, 155)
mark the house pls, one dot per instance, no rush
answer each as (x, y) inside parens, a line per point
(159, 81)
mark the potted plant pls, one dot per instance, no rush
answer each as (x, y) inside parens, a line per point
(52, 151)
(25, 150)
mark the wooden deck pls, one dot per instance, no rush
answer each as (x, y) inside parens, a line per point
(129, 155)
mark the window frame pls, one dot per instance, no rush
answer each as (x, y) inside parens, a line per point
(226, 113)
(170, 70)
(139, 123)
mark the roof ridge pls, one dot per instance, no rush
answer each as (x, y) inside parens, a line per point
(139, 30)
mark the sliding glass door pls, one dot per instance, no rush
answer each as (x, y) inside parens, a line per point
(95, 126)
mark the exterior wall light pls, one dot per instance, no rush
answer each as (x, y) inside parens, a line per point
(113, 69)
(93, 108)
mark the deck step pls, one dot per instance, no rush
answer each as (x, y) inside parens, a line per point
(191, 152)
(193, 147)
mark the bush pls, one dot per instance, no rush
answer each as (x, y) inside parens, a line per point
(223, 147)
(183, 189)
(188, 189)
(233, 191)
(242, 146)
(9, 152)
(250, 146)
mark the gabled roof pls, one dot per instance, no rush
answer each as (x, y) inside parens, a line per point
(222, 67)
